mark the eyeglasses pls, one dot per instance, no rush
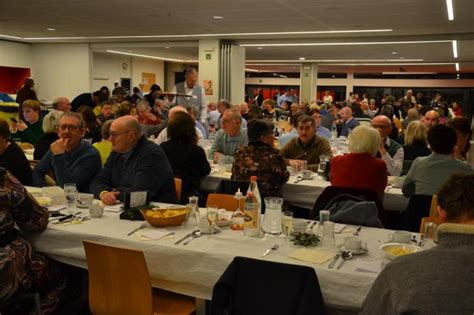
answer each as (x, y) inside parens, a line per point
(70, 127)
(115, 135)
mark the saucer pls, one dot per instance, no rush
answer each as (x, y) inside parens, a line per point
(360, 251)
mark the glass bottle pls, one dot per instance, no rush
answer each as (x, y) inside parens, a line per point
(252, 209)
(238, 217)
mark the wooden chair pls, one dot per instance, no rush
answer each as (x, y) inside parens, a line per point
(178, 183)
(224, 201)
(119, 284)
(25, 146)
(434, 206)
(425, 220)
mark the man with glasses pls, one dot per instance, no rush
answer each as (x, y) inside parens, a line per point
(70, 158)
(390, 151)
(135, 164)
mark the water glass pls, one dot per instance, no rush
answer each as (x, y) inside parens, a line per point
(193, 215)
(323, 217)
(70, 190)
(429, 235)
(212, 218)
(323, 160)
(328, 242)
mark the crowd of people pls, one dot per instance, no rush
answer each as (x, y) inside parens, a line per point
(109, 144)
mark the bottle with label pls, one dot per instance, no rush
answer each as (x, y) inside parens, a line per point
(252, 209)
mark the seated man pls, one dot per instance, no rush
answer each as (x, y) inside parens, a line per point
(428, 173)
(70, 158)
(439, 280)
(346, 123)
(430, 119)
(163, 135)
(390, 151)
(229, 138)
(134, 164)
(320, 130)
(261, 159)
(307, 146)
(293, 133)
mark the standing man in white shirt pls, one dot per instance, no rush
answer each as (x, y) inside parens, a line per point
(191, 87)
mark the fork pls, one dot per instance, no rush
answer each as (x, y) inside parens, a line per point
(274, 247)
(356, 233)
(138, 228)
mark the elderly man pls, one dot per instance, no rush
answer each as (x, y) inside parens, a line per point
(163, 136)
(307, 146)
(439, 280)
(62, 104)
(196, 98)
(135, 164)
(430, 119)
(229, 138)
(346, 123)
(106, 113)
(70, 158)
(390, 151)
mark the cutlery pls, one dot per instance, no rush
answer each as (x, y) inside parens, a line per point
(142, 226)
(346, 255)
(194, 235)
(333, 261)
(184, 237)
(356, 233)
(268, 251)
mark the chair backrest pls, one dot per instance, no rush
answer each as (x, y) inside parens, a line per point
(332, 191)
(224, 201)
(178, 184)
(119, 282)
(434, 206)
(425, 220)
(418, 207)
(258, 287)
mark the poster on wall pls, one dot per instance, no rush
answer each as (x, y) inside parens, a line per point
(208, 89)
(148, 79)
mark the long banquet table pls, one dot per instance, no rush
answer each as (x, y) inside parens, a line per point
(194, 269)
(304, 193)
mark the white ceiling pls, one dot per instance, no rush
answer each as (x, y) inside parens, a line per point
(410, 20)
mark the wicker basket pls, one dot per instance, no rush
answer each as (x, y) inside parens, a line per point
(165, 222)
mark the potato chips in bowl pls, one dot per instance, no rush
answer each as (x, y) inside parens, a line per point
(394, 250)
(165, 217)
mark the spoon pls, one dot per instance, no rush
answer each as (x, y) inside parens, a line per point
(195, 234)
(274, 247)
(346, 255)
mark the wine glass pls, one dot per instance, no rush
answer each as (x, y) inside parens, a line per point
(287, 223)
(212, 218)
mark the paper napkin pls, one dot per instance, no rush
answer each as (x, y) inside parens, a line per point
(154, 234)
(114, 208)
(312, 255)
(368, 265)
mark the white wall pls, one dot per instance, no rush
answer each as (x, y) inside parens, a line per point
(61, 70)
(140, 65)
(209, 68)
(16, 54)
(171, 69)
(108, 68)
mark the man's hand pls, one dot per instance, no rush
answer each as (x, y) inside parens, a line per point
(110, 198)
(59, 146)
(217, 157)
(298, 164)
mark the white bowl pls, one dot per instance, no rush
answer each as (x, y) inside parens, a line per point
(394, 250)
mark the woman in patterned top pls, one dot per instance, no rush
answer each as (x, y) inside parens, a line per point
(22, 269)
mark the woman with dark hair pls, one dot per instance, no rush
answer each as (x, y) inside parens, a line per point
(464, 134)
(93, 133)
(187, 159)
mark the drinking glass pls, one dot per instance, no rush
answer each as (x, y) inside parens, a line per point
(329, 241)
(287, 223)
(323, 160)
(429, 234)
(193, 215)
(323, 217)
(70, 190)
(212, 218)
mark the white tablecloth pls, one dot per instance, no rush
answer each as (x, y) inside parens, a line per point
(194, 269)
(304, 193)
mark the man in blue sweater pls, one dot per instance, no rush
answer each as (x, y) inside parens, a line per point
(70, 158)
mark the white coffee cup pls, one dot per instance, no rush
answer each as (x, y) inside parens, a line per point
(95, 211)
(400, 237)
(354, 243)
(306, 174)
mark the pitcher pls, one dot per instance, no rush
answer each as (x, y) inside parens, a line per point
(272, 219)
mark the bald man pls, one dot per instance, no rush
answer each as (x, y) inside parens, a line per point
(390, 151)
(430, 119)
(135, 164)
(163, 135)
(347, 122)
(62, 104)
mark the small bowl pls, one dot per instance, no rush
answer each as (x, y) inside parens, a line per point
(394, 250)
(165, 217)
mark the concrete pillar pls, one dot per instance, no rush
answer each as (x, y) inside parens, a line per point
(209, 63)
(350, 84)
(237, 75)
(308, 81)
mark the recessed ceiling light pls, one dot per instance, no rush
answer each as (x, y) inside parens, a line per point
(302, 58)
(333, 76)
(167, 47)
(217, 17)
(346, 43)
(51, 29)
(260, 48)
(455, 48)
(402, 57)
(449, 6)
(394, 53)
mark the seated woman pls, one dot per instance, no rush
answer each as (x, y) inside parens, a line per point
(93, 133)
(32, 129)
(12, 157)
(269, 111)
(360, 168)
(50, 126)
(416, 143)
(145, 116)
(22, 269)
(187, 159)
(261, 159)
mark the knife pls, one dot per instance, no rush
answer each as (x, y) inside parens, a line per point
(333, 261)
(185, 237)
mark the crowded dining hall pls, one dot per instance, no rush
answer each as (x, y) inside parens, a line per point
(275, 157)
